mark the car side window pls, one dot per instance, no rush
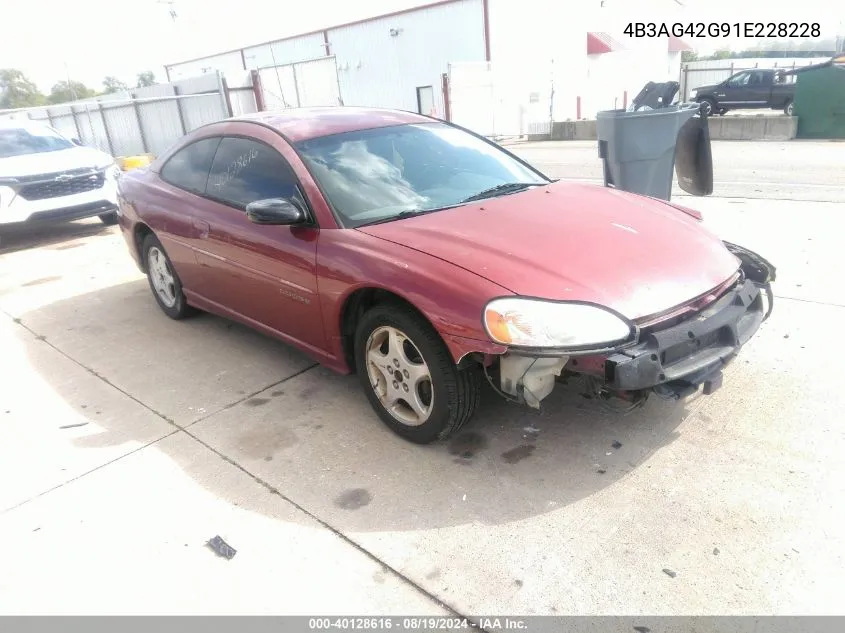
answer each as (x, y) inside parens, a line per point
(740, 80)
(188, 168)
(244, 171)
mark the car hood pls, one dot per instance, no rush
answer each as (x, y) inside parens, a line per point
(52, 162)
(637, 255)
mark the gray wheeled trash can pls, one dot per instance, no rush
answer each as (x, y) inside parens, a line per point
(638, 148)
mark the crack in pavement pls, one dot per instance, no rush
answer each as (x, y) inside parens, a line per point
(272, 489)
(250, 395)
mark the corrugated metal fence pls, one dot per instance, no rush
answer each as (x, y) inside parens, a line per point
(146, 120)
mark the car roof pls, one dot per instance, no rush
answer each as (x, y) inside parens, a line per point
(301, 124)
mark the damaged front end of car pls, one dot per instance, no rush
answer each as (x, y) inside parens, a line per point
(672, 354)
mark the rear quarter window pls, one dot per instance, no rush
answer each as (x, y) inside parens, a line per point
(188, 168)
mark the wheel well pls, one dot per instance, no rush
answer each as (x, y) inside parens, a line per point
(353, 309)
(140, 234)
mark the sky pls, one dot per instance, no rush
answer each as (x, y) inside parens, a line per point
(89, 39)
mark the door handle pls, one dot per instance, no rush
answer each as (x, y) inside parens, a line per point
(203, 227)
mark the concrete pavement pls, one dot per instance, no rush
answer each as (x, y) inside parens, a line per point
(129, 440)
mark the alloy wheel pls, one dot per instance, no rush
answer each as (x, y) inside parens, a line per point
(161, 276)
(399, 376)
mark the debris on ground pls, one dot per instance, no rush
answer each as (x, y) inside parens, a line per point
(669, 572)
(222, 548)
(531, 430)
(601, 471)
(715, 551)
(616, 444)
(786, 335)
(465, 498)
(642, 629)
(608, 453)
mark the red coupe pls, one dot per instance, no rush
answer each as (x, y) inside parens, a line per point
(427, 258)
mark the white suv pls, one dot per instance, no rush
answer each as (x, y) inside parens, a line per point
(46, 177)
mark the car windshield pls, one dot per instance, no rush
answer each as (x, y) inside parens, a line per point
(34, 140)
(382, 174)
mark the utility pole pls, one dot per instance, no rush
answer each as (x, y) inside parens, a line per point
(70, 84)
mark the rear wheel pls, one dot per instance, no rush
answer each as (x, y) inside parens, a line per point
(409, 376)
(109, 219)
(164, 282)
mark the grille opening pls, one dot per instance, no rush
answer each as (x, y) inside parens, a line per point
(63, 186)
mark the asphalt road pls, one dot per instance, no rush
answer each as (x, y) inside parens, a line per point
(127, 441)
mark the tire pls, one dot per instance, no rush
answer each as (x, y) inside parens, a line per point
(789, 108)
(707, 107)
(158, 265)
(109, 219)
(450, 395)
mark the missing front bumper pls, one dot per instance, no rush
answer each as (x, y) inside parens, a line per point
(673, 362)
(681, 358)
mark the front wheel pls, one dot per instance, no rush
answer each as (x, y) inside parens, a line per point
(789, 109)
(409, 376)
(707, 107)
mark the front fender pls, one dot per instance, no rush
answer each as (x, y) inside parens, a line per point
(451, 298)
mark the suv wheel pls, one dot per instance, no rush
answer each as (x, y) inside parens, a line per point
(109, 219)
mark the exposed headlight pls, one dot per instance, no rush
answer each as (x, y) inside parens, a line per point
(537, 323)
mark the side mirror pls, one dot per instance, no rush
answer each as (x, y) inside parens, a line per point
(275, 211)
(693, 157)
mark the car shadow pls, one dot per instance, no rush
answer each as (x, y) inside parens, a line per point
(312, 437)
(23, 237)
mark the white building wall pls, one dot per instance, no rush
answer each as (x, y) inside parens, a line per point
(227, 63)
(296, 49)
(376, 68)
(541, 43)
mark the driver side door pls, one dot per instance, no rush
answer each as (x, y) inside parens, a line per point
(264, 275)
(734, 91)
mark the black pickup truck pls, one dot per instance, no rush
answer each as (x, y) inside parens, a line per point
(757, 88)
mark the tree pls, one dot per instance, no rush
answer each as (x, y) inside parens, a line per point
(16, 91)
(113, 84)
(146, 78)
(689, 56)
(65, 91)
(722, 54)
